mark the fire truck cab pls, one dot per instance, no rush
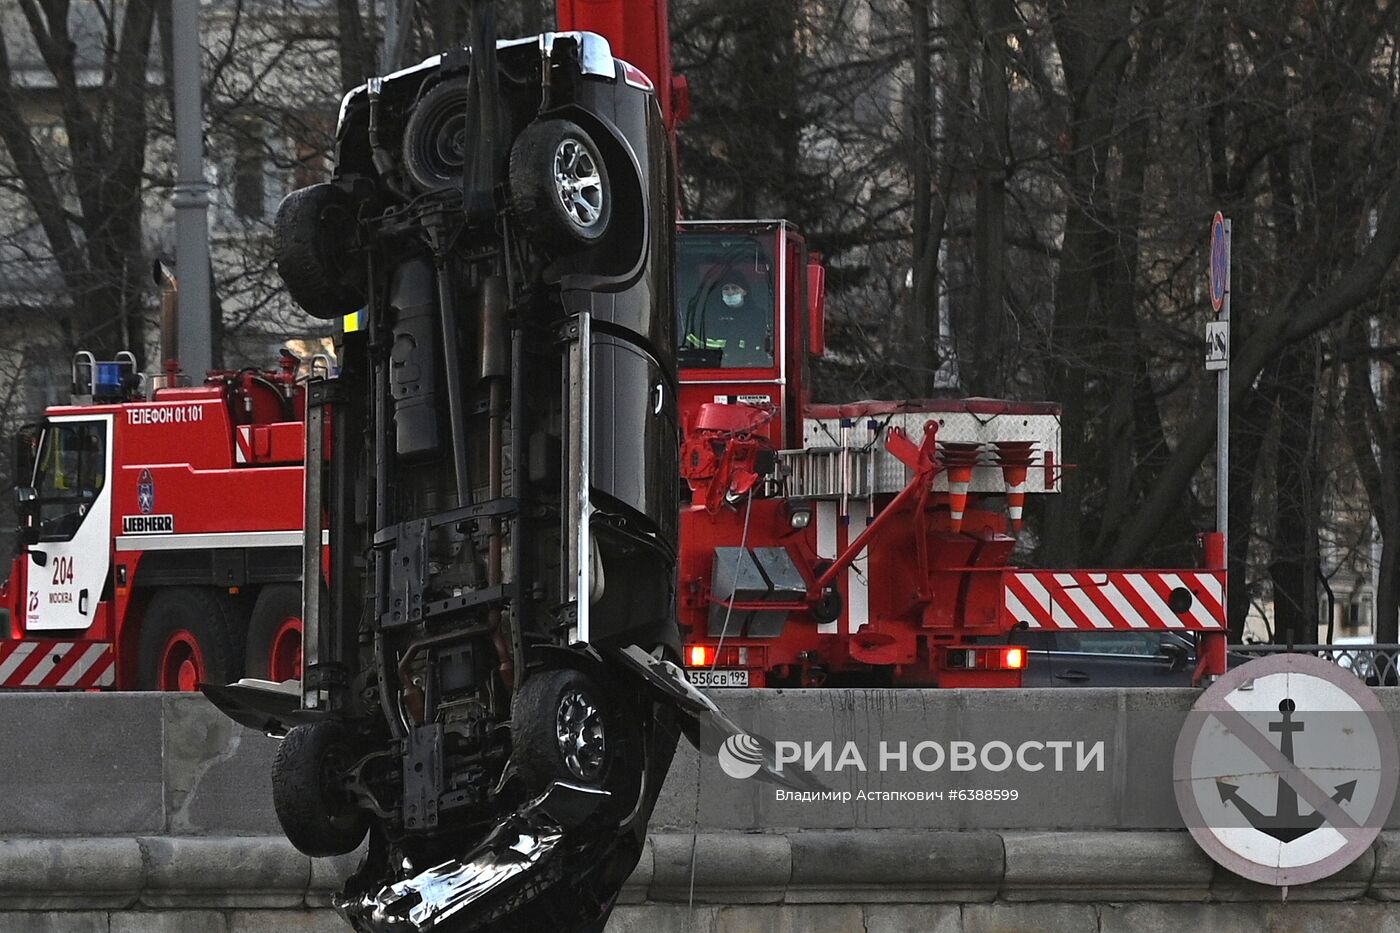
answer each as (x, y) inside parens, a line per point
(160, 532)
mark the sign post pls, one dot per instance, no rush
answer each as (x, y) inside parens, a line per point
(1218, 360)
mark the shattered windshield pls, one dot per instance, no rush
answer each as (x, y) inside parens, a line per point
(725, 286)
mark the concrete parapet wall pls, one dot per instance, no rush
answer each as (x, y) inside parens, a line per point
(838, 881)
(152, 814)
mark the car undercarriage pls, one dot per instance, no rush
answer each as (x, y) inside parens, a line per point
(489, 693)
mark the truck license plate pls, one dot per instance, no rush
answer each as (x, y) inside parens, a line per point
(718, 678)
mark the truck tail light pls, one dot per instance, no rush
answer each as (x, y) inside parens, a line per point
(698, 656)
(991, 658)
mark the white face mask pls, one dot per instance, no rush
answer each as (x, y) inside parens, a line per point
(733, 295)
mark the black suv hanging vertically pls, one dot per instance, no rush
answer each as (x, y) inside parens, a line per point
(487, 690)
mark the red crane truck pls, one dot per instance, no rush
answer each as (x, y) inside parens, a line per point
(161, 533)
(863, 542)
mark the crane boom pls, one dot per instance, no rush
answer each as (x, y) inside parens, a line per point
(639, 33)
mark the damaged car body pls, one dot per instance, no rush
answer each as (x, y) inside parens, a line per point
(489, 692)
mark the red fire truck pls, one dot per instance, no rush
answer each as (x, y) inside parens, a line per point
(161, 533)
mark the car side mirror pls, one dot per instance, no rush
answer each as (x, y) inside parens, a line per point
(27, 509)
(1175, 653)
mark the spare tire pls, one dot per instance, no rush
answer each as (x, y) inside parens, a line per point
(438, 138)
(559, 186)
(313, 237)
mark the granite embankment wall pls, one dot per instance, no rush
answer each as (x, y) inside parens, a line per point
(130, 813)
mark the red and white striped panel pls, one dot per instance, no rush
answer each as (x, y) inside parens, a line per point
(243, 444)
(1114, 599)
(57, 664)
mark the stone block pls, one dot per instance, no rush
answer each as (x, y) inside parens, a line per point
(912, 918)
(1327, 918)
(80, 764)
(676, 807)
(286, 921)
(662, 918)
(230, 871)
(899, 867)
(1105, 866)
(1349, 883)
(328, 875)
(1030, 918)
(218, 775)
(46, 874)
(169, 921)
(638, 884)
(731, 868)
(1385, 882)
(1180, 918)
(790, 918)
(65, 921)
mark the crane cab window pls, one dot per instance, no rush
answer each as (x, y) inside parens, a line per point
(69, 473)
(726, 295)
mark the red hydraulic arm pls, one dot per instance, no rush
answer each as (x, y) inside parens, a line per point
(639, 33)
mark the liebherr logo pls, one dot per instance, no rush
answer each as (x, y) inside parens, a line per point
(148, 524)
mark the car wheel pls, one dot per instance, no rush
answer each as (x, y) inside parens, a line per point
(313, 235)
(439, 135)
(566, 727)
(317, 817)
(185, 641)
(559, 186)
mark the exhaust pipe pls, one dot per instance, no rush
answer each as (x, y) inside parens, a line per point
(169, 287)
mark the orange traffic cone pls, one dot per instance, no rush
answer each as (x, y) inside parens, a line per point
(1015, 457)
(959, 460)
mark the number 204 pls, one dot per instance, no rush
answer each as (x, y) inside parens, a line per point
(62, 571)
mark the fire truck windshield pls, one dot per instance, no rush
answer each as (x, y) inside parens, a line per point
(69, 473)
(725, 286)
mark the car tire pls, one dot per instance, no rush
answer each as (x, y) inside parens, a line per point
(186, 640)
(274, 634)
(317, 820)
(313, 235)
(560, 190)
(438, 137)
(566, 727)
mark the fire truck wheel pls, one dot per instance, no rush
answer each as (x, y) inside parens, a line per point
(274, 634)
(312, 238)
(559, 185)
(565, 726)
(185, 641)
(438, 137)
(316, 814)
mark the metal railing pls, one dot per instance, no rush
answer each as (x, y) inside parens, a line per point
(1377, 665)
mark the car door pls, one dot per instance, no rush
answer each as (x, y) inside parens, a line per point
(1116, 658)
(68, 565)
